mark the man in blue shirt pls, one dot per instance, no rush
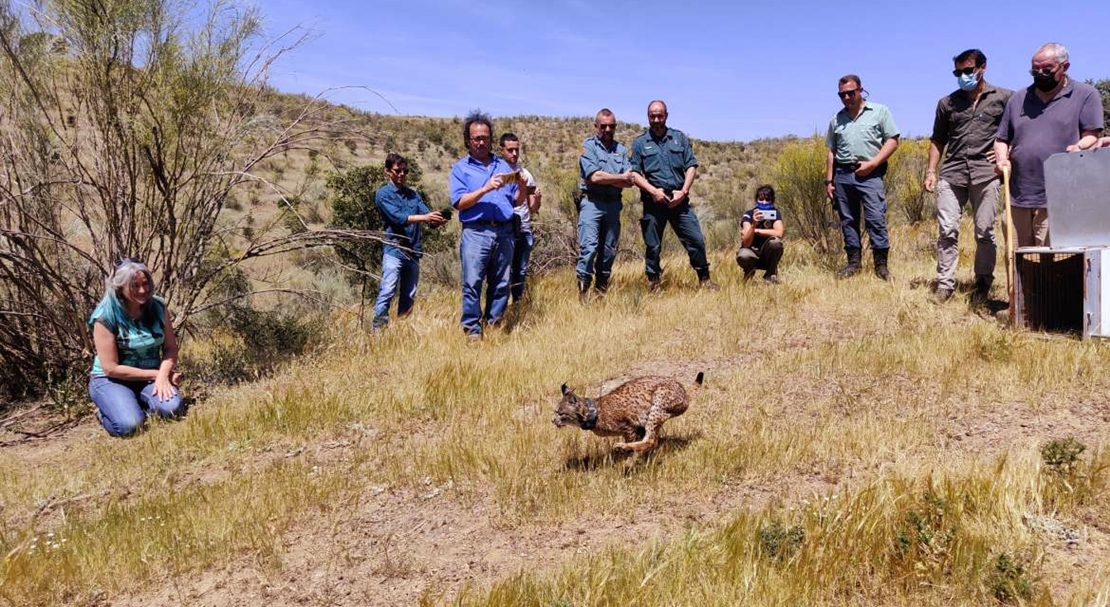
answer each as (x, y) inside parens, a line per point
(402, 210)
(484, 189)
(665, 162)
(605, 170)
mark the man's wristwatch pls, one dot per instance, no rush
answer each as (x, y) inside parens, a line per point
(828, 182)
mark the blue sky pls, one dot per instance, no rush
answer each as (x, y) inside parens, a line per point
(727, 70)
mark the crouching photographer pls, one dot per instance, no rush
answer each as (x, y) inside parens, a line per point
(761, 231)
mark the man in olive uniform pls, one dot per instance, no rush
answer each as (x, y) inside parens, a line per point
(605, 171)
(665, 160)
(964, 129)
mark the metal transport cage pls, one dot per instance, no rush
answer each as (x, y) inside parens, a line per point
(1065, 287)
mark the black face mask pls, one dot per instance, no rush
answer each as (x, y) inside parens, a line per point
(1044, 83)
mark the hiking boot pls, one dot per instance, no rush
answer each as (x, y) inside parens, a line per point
(601, 287)
(853, 266)
(708, 285)
(942, 295)
(583, 291)
(881, 269)
(982, 291)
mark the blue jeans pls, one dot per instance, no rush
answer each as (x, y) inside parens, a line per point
(397, 273)
(522, 252)
(486, 253)
(851, 193)
(685, 225)
(598, 223)
(123, 405)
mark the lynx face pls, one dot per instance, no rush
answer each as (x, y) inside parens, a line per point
(570, 410)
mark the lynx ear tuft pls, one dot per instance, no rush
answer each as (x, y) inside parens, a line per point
(564, 388)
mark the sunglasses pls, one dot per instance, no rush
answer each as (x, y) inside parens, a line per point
(122, 260)
(1044, 71)
(606, 127)
(848, 94)
(399, 171)
(967, 71)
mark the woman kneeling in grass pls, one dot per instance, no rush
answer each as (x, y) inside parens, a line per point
(136, 351)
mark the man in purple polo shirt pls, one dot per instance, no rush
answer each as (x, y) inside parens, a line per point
(1055, 114)
(484, 189)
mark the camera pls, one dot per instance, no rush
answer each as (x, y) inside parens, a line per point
(446, 212)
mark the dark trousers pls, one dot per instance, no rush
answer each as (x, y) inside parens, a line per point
(765, 257)
(685, 224)
(866, 194)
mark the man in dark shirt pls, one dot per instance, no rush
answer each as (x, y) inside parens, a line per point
(964, 128)
(402, 210)
(1055, 114)
(664, 158)
(761, 231)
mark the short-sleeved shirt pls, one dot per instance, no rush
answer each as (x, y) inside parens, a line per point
(138, 344)
(597, 157)
(663, 162)
(965, 131)
(1036, 130)
(469, 175)
(522, 211)
(759, 239)
(862, 138)
(402, 239)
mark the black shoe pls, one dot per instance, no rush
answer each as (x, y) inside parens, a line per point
(881, 269)
(981, 294)
(853, 266)
(748, 274)
(771, 278)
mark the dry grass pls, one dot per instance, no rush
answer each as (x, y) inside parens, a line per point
(860, 392)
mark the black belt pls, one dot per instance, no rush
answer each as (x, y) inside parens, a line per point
(602, 197)
(847, 166)
(487, 223)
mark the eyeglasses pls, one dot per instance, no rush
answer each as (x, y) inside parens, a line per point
(122, 260)
(967, 71)
(399, 171)
(1044, 71)
(606, 127)
(848, 94)
(480, 138)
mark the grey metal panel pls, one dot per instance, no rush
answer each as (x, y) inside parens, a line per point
(1077, 186)
(1092, 294)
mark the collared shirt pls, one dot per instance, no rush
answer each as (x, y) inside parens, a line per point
(469, 175)
(1036, 130)
(861, 138)
(522, 210)
(402, 239)
(965, 131)
(663, 162)
(597, 157)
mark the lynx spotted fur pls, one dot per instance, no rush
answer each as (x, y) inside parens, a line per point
(634, 410)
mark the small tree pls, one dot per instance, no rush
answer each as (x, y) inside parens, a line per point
(798, 175)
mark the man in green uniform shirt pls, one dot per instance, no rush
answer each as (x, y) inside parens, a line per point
(665, 159)
(861, 138)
